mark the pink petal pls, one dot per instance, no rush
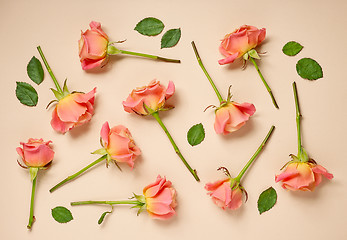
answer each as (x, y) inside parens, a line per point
(170, 90)
(321, 170)
(68, 110)
(248, 108)
(59, 125)
(89, 64)
(153, 189)
(20, 152)
(236, 199)
(105, 130)
(84, 97)
(221, 119)
(229, 59)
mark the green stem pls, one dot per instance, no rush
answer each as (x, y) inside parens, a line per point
(134, 202)
(50, 70)
(192, 171)
(238, 178)
(265, 83)
(150, 56)
(206, 73)
(69, 178)
(298, 116)
(31, 217)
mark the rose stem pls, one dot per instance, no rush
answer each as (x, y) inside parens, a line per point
(49, 70)
(298, 115)
(238, 178)
(150, 56)
(265, 83)
(206, 73)
(69, 178)
(192, 171)
(31, 217)
(134, 202)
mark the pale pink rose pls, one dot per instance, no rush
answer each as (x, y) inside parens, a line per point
(236, 44)
(73, 110)
(303, 176)
(154, 96)
(119, 144)
(93, 46)
(160, 198)
(223, 195)
(35, 153)
(232, 116)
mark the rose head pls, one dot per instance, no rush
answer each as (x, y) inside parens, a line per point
(35, 153)
(160, 198)
(119, 144)
(73, 110)
(93, 46)
(154, 96)
(232, 116)
(224, 195)
(236, 44)
(303, 176)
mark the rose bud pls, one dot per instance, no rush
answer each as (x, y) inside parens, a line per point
(93, 46)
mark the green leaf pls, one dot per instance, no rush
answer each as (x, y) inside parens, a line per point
(35, 71)
(101, 151)
(61, 214)
(171, 38)
(26, 94)
(196, 134)
(102, 217)
(292, 48)
(309, 69)
(149, 26)
(267, 200)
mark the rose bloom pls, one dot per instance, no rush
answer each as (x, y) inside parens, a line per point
(223, 195)
(93, 46)
(236, 44)
(73, 110)
(119, 144)
(154, 95)
(303, 176)
(35, 153)
(160, 198)
(232, 117)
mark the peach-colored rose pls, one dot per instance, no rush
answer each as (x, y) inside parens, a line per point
(303, 176)
(93, 46)
(160, 198)
(232, 116)
(119, 144)
(154, 96)
(35, 153)
(236, 44)
(224, 195)
(73, 110)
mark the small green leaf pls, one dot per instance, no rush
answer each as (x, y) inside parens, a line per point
(102, 217)
(292, 48)
(26, 94)
(171, 38)
(196, 134)
(267, 200)
(35, 71)
(149, 26)
(309, 69)
(61, 214)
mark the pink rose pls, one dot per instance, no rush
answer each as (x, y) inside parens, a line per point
(224, 195)
(303, 176)
(160, 198)
(154, 96)
(119, 144)
(236, 44)
(93, 46)
(232, 116)
(35, 153)
(73, 110)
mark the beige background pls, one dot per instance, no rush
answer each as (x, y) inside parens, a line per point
(56, 25)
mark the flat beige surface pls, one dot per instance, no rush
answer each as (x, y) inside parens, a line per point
(56, 25)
